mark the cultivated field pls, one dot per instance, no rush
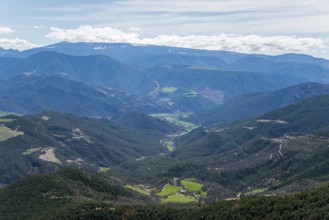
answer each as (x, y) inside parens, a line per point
(137, 189)
(6, 133)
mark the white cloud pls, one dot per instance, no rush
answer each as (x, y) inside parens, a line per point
(6, 30)
(222, 41)
(16, 43)
(241, 43)
(38, 27)
(91, 34)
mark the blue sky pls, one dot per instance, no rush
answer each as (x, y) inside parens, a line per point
(251, 26)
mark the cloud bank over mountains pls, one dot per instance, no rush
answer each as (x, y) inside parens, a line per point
(252, 26)
(13, 42)
(230, 42)
(221, 41)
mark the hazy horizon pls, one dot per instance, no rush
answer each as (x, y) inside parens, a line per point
(269, 27)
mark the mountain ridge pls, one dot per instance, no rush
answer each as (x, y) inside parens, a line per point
(33, 93)
(251, 105)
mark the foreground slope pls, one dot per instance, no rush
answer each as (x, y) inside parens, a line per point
(48, 195)
(76, 194)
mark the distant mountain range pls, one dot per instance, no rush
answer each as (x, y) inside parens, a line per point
(127, 53)
(175, 78)
(151, 55)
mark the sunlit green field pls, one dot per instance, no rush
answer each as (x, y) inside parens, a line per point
(105, 169)
(191, 186)
(169, 145)
(256, 191)
(178, 199)
(169, 190)
(6, 120)
(137, 189)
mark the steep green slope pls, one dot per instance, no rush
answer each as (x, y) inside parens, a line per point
(274, 149)
(146, 124)
(304, 117)
(250, 105)
(43, 196)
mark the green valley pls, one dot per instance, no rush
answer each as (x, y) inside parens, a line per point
(99, 130)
